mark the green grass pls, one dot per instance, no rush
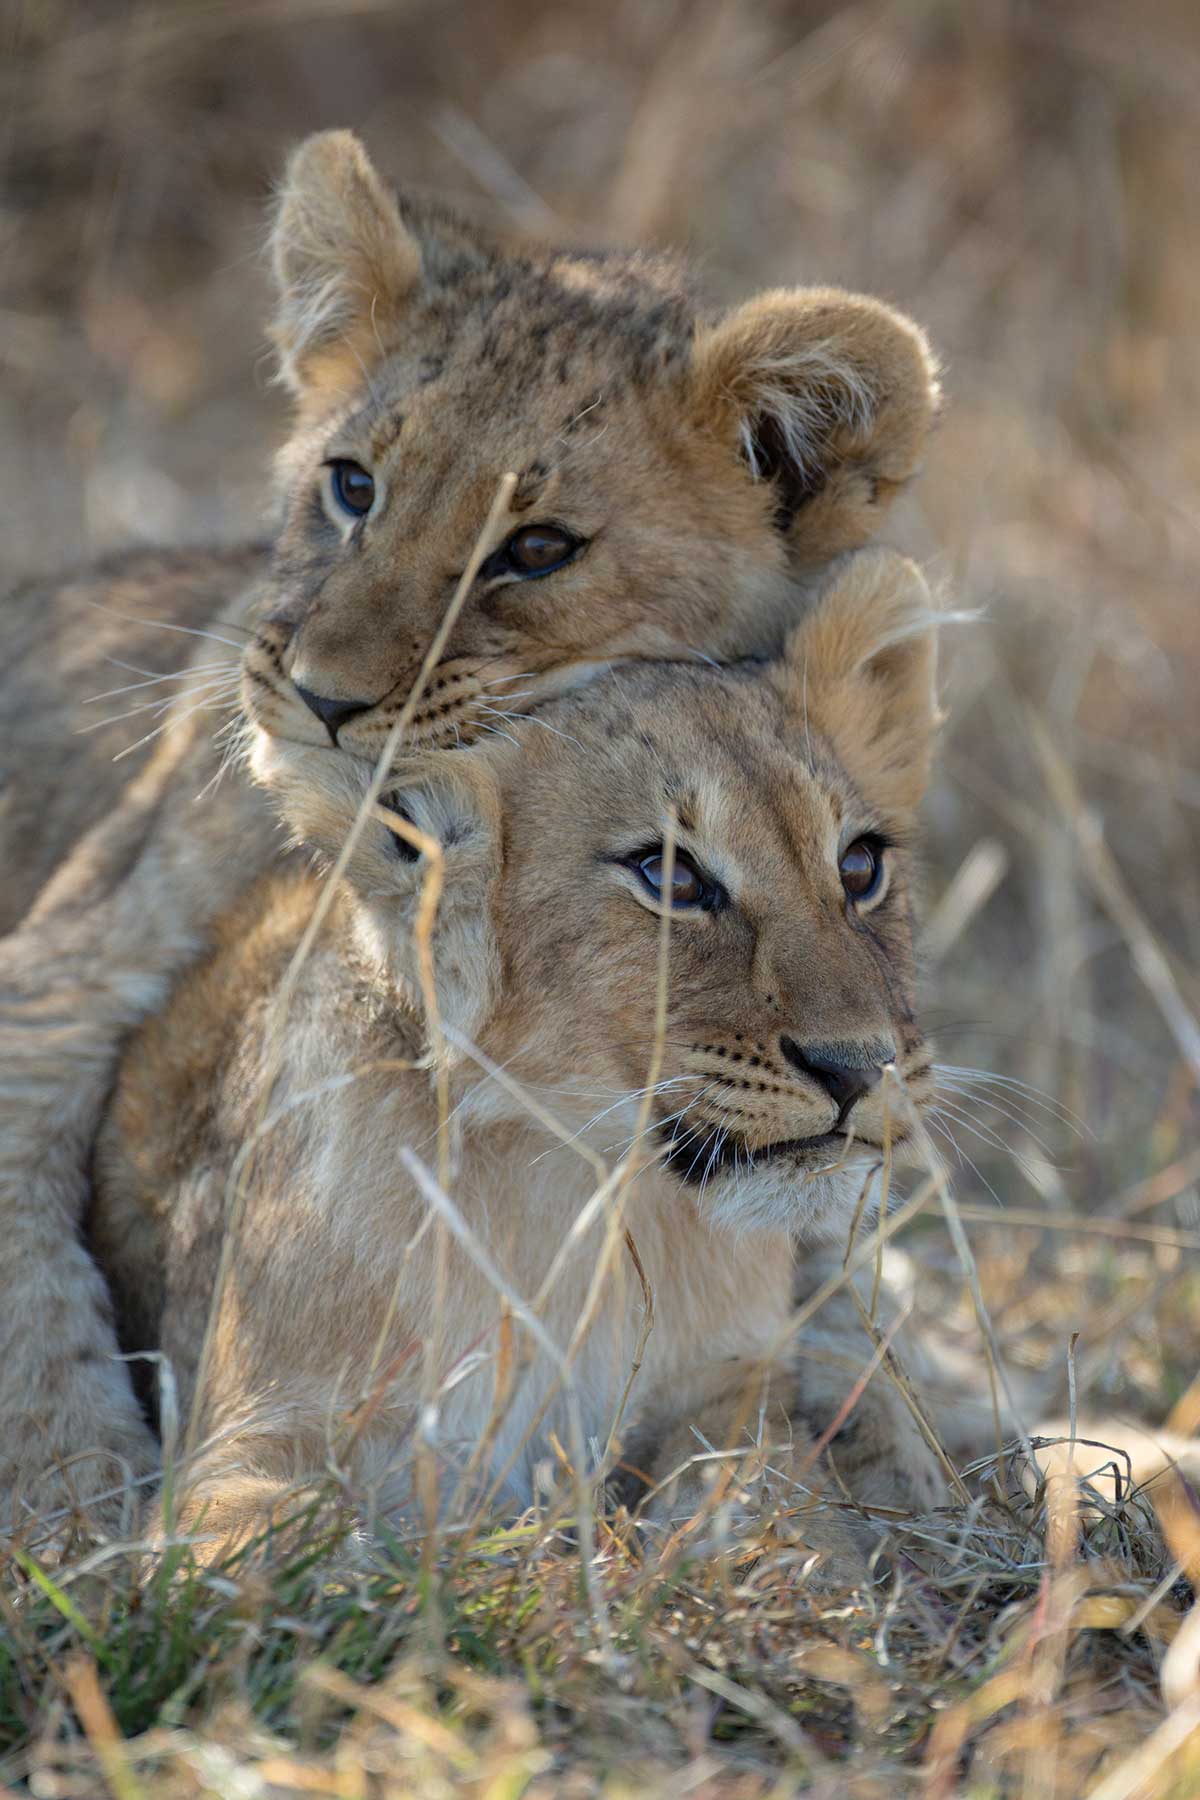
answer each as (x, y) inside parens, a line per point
(304, 1662)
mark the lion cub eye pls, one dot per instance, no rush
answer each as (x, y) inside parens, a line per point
(535, 550)
(351, 486)
(688, 885)
(861, 868)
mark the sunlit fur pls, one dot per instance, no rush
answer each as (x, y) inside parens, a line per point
(711, 465)
(545, 954)
(714, 464)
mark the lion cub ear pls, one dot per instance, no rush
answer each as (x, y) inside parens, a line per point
(861, 672)
(346, 265)
(410, 890)
(829, 397)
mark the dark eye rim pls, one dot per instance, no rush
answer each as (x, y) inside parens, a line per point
(878, 846)
(712, 897)
(500, 561)
(337, 465)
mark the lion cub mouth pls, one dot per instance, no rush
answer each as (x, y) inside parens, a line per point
(696, 1159)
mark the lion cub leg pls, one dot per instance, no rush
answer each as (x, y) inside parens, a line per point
(225, 1509)
(882, 1454)
(269, 1422)
(71, 1431)
(731, 1453)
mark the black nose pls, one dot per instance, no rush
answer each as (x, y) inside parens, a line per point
(332, 713)
(845, 1071)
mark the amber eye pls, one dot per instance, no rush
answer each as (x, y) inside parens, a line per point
(688, 885)
(538, 549)
(352, 488)
(861, 868)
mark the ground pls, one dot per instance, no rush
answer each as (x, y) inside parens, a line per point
(1022, 179)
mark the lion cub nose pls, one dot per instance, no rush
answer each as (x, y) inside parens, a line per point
(332, 713)
(845, 1071)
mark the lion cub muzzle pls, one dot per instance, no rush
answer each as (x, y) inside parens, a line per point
(464, 699)
(807, 1102)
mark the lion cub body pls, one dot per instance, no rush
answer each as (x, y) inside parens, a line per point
(347, 1325)
(80, 708)
(331, 1243)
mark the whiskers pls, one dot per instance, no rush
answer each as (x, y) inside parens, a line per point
(223, 665)
(196, 631)
(234, 738)
(1004, 1091)
(964, 1097)
(670, 1123)
(631, 1097)
(506, 701)
(495, 731)
(177, 696)
(544, 725)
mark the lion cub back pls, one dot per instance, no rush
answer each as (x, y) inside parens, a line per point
(65, 643)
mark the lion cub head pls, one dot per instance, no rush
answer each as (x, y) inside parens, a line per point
(790, 1050)
(681, 477)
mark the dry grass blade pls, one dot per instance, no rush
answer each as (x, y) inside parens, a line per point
(1146, 953)
(432, 885)
(1181, 1665)
(95, 1715)
(1166, 1184)
(482, 548)
(670, 829)
(896, 1374)
(1110, 1228)
(1139, 1776)
(997, 1377)
(974, 882)
(236, 1196)
(446, 1210)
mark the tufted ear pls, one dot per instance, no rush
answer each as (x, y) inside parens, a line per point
(860, 671)
(829, 397)
(346, 265)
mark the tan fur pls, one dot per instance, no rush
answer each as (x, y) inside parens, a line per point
(334, 1304)
(713, 467)
(344, 261)
(78, 655)
(707, 466)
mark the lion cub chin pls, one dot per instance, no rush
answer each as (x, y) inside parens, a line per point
(453, 1174)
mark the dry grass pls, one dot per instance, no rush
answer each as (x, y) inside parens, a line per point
(1023, 179)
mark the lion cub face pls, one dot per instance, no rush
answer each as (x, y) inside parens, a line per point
(790, 1050)
(677, 476)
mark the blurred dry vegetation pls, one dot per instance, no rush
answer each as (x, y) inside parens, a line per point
(1025, 179)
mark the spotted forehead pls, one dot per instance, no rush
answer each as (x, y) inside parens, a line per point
(781, 810)
(713, 747)
(564, 340)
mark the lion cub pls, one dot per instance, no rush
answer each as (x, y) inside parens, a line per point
(790, 1057)
(683, 480)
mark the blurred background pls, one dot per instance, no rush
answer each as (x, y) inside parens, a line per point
(1021, 177)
